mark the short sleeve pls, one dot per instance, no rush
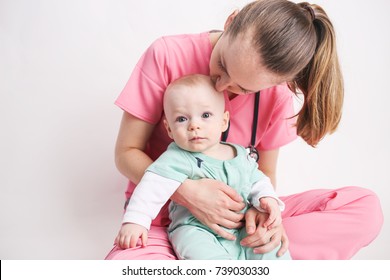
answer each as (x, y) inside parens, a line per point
(143, 94)
(281, 127)
(173, 164)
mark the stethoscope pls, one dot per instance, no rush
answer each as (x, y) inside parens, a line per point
(252, 152)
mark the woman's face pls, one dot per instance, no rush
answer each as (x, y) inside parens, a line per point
(237, 68)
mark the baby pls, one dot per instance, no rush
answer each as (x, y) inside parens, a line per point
(195, 117)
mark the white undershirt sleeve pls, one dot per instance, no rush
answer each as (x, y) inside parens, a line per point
(148, 198)
(263, 188)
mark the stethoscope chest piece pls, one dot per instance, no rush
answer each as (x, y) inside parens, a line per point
(252, 153)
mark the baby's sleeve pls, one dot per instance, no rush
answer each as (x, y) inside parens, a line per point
(263, 188)
(148, 198)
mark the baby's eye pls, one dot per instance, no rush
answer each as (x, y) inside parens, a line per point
(181, 119)
(206, 115)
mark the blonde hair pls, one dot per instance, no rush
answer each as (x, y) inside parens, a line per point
(192, 80)
(298, 41)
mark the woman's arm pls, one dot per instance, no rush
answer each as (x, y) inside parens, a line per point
(267, 164)
(133, 135)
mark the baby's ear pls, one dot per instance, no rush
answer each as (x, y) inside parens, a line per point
(225, 121)
(168, 129)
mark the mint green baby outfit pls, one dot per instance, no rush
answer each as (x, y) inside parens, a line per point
(189, 237)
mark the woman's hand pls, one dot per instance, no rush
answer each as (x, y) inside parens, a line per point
(262, 239)
(213, 203)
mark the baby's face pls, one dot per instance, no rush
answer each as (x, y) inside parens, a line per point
(195, 116)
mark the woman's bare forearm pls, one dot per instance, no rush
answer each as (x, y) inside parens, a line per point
(132, 163)
(267, 164)
(130, 158)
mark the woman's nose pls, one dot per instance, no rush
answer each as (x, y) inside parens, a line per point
(222, 83)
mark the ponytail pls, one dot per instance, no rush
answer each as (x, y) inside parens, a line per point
(320, 82)
(297, 41)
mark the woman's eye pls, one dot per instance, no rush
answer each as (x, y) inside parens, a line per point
(220, 65)
(206, 115)
(181, 119)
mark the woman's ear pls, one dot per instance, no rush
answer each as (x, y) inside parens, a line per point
(168, 129)
(230, 19)
(225, 121)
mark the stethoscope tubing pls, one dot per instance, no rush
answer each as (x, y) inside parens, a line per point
(252, 151)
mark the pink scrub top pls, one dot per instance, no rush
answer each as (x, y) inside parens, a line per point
(172, 57)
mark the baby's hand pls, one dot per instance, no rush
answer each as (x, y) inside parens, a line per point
(271, 206)
(129, 234)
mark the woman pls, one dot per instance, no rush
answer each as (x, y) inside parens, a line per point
(276, 47)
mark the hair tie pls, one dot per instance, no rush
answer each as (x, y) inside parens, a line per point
(308, 8)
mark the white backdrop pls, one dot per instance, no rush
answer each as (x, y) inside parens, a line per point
(63, 63)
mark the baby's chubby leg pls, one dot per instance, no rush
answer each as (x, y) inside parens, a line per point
(196, 243)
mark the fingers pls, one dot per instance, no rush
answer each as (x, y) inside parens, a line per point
(231, 225)
(250, 221)
(260, 237)
(274, 219)
(124, 241)
(277, 222)
(233, 201)
(271, 219)
(127, 241)
(278, 238)
(144, 239)
(131, 241)
(264, 203)
(271, 206)
(215, 202)
(235, 206)
(230, 219)
(121, 241)
(267, 247)
(231, 193)
(129, 234)
(223, 233)
(284, 247)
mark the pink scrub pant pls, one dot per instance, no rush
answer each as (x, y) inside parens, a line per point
(320, 224)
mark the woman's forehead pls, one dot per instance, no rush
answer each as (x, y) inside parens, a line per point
(244, 64)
